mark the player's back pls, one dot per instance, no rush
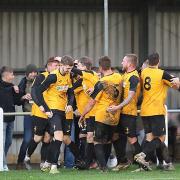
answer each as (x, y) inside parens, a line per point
(154, 92)
(112, 89)
(130, 78)
(109, 94)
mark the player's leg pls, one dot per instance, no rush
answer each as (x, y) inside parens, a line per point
(54, 147)
(154, 128)
(89, 151)
(108, 144)
(119, 141)
(83, 142)
(72, 146)
(45, 146)
(101, 134)
(159, 130)
(129, 126)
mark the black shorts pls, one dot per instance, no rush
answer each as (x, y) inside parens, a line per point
(67, 124)
(56, 122)
(102, 132)
(40, 126)
(154, 124)
(90, 124)
(83, 130)
(127, 125)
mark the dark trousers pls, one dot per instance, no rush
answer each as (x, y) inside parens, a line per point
(26, 138)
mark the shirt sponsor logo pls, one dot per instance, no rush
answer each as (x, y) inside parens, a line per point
(62, 88)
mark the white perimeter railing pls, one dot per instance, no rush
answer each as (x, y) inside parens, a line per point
(2, 114)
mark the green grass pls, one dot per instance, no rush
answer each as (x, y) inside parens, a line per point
(67, 174)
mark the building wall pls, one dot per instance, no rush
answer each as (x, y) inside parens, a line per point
(32, 37)
(167, 43)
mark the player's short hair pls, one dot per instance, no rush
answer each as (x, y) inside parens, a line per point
(105, 62)
(153, 59)
(86, 61)
(133, 59)
(67, 60)
(51, 60)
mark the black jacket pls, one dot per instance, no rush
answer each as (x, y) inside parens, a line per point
(8, 99)
(22, 90)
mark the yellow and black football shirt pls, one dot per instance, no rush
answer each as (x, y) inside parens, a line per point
(89, 79)
(155, 83)
(131, 82)
(107, 92)
(35, 111)
(81, 97)
(58, 89)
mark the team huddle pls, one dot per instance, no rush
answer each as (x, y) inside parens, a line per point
(106, 102)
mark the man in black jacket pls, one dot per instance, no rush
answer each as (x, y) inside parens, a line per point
(9, 95)
(25, 90)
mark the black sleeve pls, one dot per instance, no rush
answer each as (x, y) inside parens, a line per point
(71, 98)
(97, 88)
(134, 80)
(76, 71)
(22, 86)
(17, 98)
(167, 76)
(77, 84)
(39, 79)
(52, 78)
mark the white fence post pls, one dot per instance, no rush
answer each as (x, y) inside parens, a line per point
(1, 140)
(166, 124)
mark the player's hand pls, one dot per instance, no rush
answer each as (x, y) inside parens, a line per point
(16, 89)
(68, 109)
(42, 109)
(81, 121)
(113, 108)
(27, 96)
(90, 91)
(49, 114)
(175, 81)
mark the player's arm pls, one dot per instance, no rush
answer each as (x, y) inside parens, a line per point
(76, 71)
(167, 79)
(175, 81)
(97, 89)
(134, 80)
(38, 80)
(71, 99)
(51, 79)
(77, 84)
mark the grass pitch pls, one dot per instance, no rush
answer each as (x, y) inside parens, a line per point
(73, 174)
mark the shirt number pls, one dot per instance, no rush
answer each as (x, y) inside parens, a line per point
(147, 85)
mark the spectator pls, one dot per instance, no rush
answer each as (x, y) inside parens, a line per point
(9, 95)
(25, 89)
